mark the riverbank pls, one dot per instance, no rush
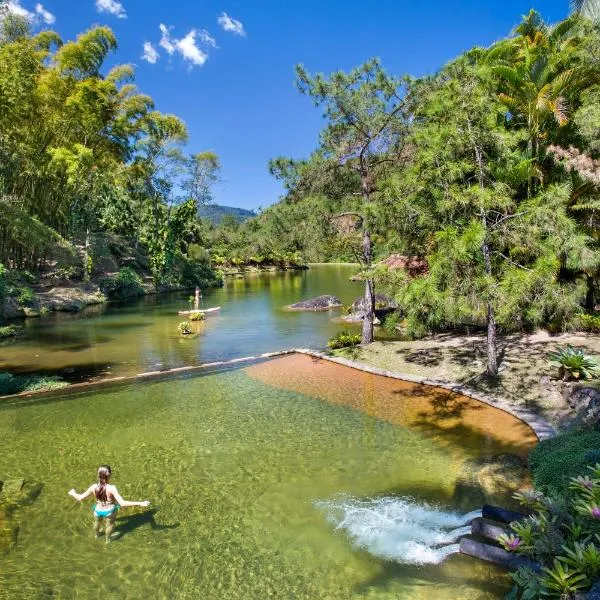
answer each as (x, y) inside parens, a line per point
(245, 269)
(74, 297)
(526, 379)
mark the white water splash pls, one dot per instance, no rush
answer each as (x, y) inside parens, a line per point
(399, 529)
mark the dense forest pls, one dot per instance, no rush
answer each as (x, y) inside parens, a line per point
(93, 178)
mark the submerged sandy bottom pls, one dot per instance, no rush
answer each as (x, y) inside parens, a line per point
(448, 417)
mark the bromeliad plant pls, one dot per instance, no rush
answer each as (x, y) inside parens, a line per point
(563, 536)
(574, 363)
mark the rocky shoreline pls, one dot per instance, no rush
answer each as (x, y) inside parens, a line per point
(72, 298)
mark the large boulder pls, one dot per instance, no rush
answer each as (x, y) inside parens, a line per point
(320, 303)
(586, 403)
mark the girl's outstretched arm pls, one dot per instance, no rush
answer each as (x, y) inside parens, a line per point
(122, 502)
(86, 494)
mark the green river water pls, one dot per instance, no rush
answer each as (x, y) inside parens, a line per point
(247, 469)
(141, 335)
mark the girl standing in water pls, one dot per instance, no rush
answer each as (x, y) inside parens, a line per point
(108, 501)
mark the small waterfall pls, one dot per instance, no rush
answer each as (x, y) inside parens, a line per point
(399, 529)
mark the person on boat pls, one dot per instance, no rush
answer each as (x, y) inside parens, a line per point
(108, 501)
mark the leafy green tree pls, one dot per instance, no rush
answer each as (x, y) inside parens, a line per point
(202, 173)
(493, 254)
(364, 110)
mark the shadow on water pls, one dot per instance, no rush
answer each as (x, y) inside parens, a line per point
(393, 572)
(74, 374)
(444, 403)
(129, 523)
(100, 386)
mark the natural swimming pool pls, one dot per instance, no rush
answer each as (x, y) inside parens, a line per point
(246, 470)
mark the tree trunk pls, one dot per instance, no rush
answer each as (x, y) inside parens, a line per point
(367, 249)
(492, 350)
(369, 299)
(590, 297)
(86, 257)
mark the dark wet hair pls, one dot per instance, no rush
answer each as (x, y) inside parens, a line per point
(104, 473)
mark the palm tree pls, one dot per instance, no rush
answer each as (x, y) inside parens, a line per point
(534, 83)
(587, 8)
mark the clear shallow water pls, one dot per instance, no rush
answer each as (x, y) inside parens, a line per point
(141, 335)
(236, 465)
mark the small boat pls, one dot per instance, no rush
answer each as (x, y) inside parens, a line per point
(200, 310)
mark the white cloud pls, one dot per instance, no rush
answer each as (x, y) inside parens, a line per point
(111, 6)
(150, 54)
(45, 15)
(187, 46)
(208, 39)
(229, 24)
(14, 6)
(166, 41)
(40, 14)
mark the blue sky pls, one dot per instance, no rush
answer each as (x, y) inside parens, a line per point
(239, 98)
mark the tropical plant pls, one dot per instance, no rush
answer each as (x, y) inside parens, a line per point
(184, 328)
(561, 582)
(344, 339)
(535, 84)
(574, 363)
(563, 535)
(197, 316)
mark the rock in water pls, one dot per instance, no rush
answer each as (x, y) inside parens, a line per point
(320, 303)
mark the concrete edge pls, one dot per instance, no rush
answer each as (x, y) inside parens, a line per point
(542, 428)
(86, 385)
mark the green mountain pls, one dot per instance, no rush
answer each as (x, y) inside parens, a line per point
(215, 213)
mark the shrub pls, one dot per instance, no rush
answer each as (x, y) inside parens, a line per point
(563, 536)
(25, 296)
(10, 331)
(552, 462)
(344, 339)
(574, 363)
(15, 384)
(197, 316)
(589, 322)
(184, 328)
(124, 284)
